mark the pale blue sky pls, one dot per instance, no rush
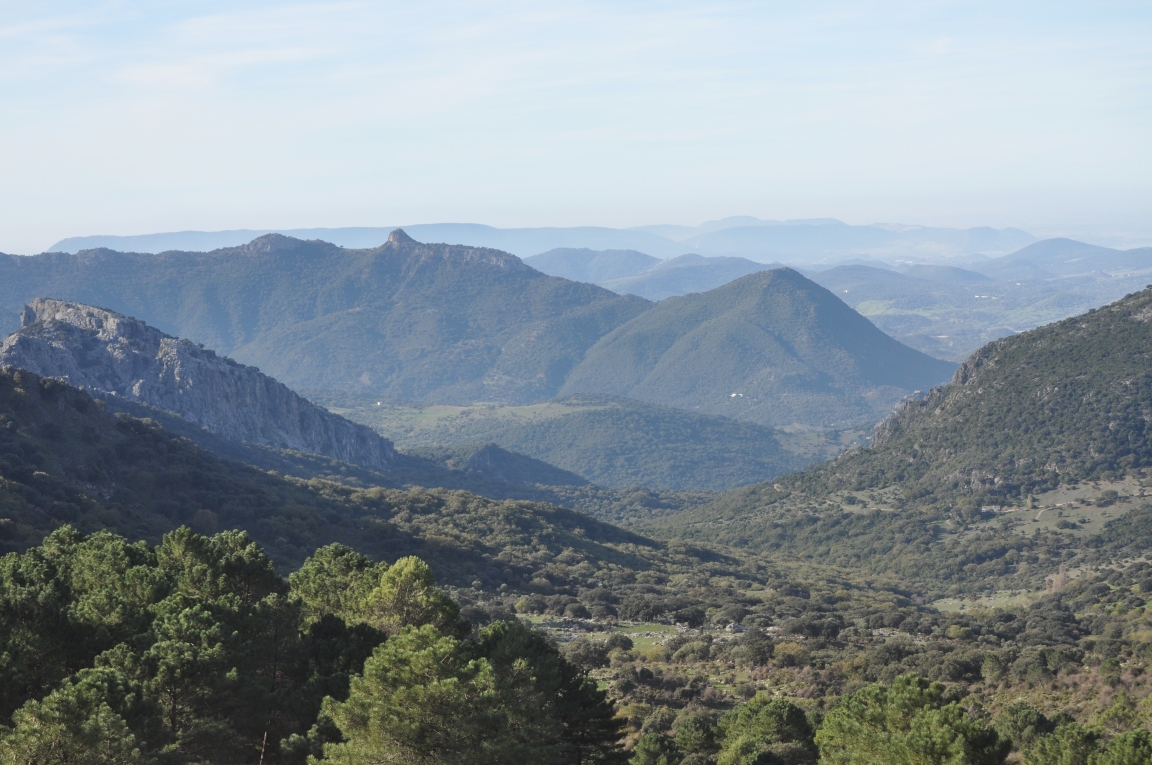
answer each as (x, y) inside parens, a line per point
(134, 117)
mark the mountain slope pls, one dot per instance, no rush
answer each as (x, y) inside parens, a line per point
(65, 459)
(772, 348)
(404, 320)
(112, 356)
(592, 266)
(1065, 402)
(1032, 459)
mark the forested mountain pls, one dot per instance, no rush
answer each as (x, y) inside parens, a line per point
(405, 320)
(772, 348)
(114, 357)
(457, 325)
(593, 266)
(1066, 402)
(1063, 409)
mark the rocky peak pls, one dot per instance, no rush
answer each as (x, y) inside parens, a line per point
(112, 355)
(398, 237)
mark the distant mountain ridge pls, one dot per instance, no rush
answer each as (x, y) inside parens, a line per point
(627, 272)
(436, 323)
(772, 348)
(816, 240)
(1055, 258)
(592, 266)
(111, 355)
(949, 312)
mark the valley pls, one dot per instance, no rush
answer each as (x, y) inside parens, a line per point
(735, 384)
(612, 442)
(683, 501)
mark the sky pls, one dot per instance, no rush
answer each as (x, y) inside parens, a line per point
(139, 117)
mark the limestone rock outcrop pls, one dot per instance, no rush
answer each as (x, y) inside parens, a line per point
(112, 355)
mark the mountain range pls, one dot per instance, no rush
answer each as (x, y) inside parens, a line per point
(993, 536)
(406, 320)
(799, 241)
(946, 309)
(457, 325)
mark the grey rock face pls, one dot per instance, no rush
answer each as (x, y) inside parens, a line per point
(109, 354)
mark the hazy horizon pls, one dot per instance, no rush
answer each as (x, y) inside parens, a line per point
(130, 118)
(674, 239)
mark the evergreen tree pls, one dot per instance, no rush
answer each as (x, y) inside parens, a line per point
(906, 723)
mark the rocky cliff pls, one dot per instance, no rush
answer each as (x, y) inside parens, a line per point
(111, 355)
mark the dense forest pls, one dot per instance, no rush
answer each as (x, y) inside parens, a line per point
(196, 651)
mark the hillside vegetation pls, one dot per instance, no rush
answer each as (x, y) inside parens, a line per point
(485, 470)
(611, 441)
(1067, 402)
(65, 460)
(1063, 406)
(194, 651)
(771, 348)
(814, 643)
